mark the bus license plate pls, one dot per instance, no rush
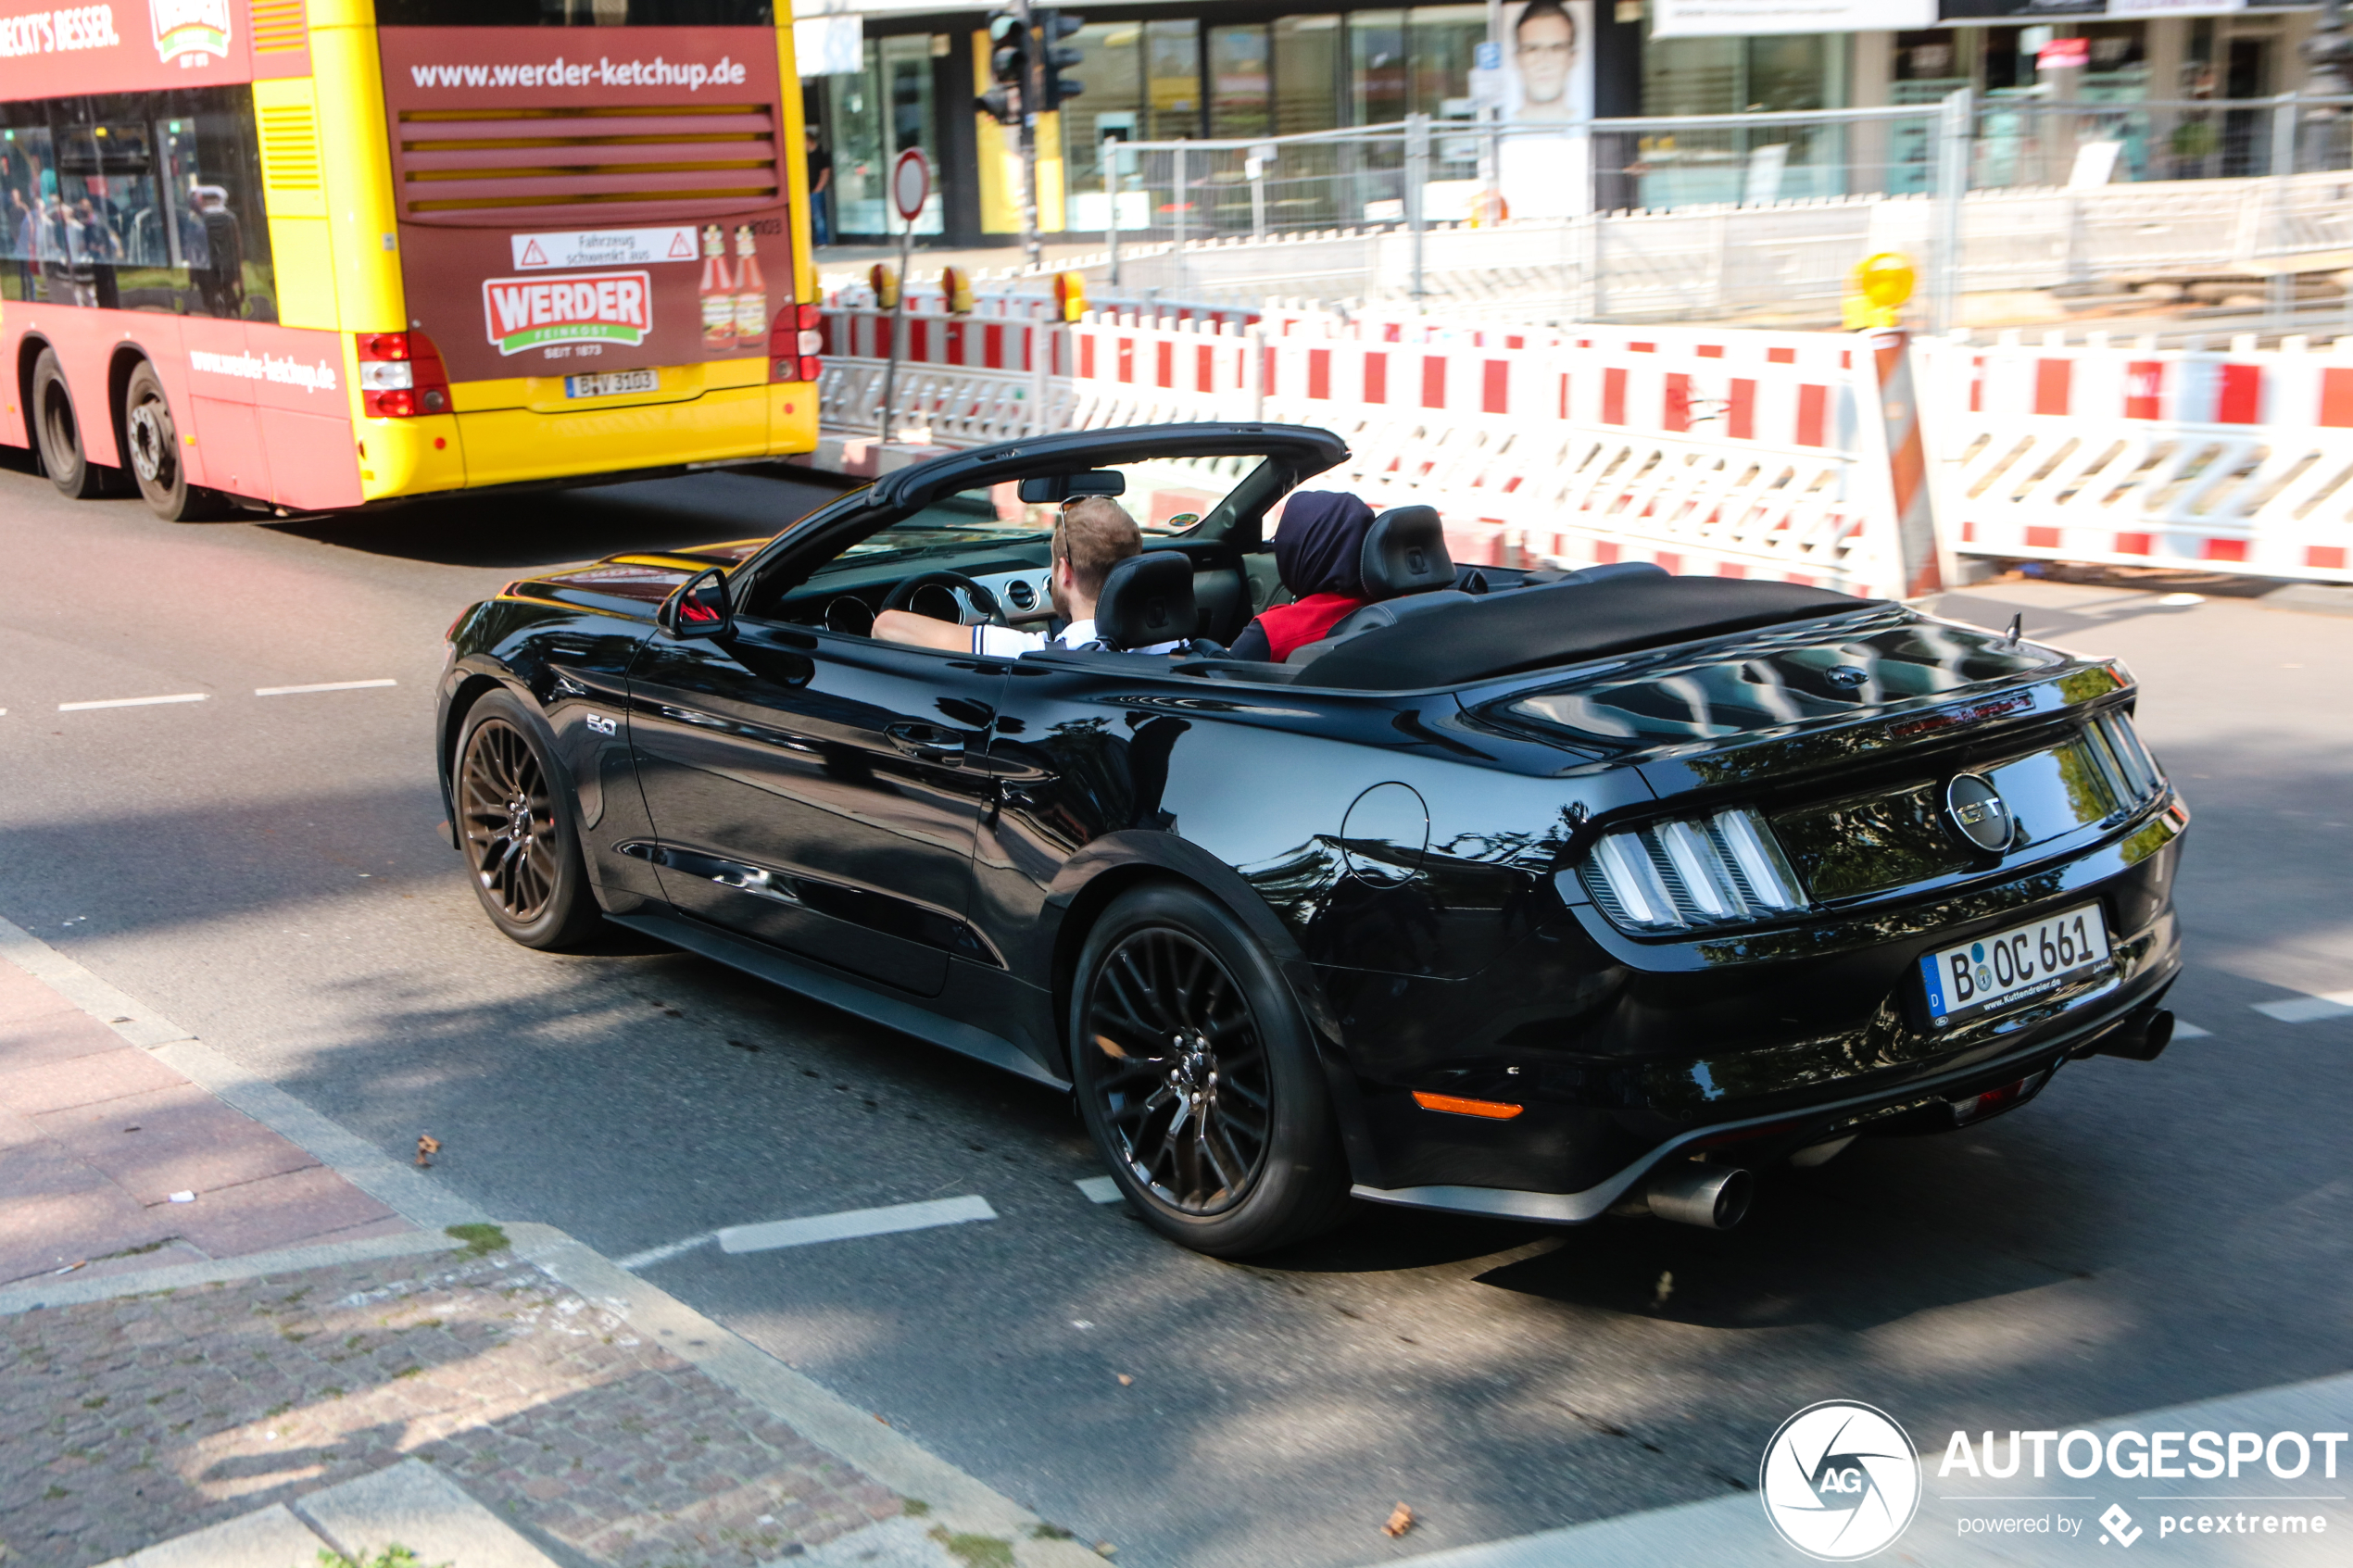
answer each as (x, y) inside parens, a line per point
(612, 383)
(2014, 966)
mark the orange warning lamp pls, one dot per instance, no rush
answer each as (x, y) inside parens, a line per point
(886, 283)
(1070, 294)
(956, 289)
(1881, 286)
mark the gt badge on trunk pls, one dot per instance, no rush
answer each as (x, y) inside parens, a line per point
(1974, 808)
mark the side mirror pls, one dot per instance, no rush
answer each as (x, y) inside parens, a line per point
(701, 607)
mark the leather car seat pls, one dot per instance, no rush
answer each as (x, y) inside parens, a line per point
(1149, 599)
(1389, 612)
(1405, 571)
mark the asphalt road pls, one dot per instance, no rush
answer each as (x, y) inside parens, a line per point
(266, 870)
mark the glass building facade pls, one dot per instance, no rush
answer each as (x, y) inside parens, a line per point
(1232, 71)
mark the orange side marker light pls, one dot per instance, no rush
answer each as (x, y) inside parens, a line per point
(1456, 1105)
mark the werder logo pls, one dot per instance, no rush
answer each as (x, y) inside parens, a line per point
(526, 313)
(189, 29)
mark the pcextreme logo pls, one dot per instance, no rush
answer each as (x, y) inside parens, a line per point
(527, 313)
(1840, 1481)
(190, 31)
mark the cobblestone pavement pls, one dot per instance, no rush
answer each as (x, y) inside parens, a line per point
(133, 1420)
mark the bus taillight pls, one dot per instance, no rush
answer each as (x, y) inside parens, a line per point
(401, 375)
(794, 344)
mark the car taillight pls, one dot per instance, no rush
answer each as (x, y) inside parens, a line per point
(2122, 762)
(1692, 872)
(401, 375)
(794, 342)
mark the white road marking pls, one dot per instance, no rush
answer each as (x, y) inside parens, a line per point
(2304, 1010)
(129, 702)
(653, 1255)
(1100, 1189)
(854, 1223)
(2184, 1030)
(322, 687)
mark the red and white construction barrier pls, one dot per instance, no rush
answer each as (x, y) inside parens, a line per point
(1736, 454)
(2130, 455)
(1731, 453)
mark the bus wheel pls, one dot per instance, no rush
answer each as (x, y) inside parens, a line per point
(59, 433)
(153, 438)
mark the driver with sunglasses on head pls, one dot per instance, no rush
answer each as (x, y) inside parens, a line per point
(1092, 534)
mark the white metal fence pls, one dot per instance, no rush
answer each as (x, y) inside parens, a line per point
(1739, 215)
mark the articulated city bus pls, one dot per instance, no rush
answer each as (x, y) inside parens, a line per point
(282, 254)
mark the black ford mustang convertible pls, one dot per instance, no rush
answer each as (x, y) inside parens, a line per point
(1522, 892)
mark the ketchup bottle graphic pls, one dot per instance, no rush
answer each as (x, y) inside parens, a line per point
(717, 291)
(752, 294)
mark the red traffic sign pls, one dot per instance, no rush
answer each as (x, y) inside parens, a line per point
(911, 184)
(2064, 53)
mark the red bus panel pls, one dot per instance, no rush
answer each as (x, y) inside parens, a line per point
(591, 246)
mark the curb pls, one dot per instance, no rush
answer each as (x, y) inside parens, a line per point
(962, 1504)
(181, 1277)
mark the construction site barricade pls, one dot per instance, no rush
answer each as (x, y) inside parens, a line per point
(2126, 453)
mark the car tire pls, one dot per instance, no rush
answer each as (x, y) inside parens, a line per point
(153, 436)
(1200, 1080)
(518, 826)
(57, 433)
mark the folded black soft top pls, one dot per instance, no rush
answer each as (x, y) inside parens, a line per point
(1535, 628)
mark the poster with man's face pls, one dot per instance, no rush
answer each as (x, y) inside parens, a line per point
(1547, 59)
(1548, 75)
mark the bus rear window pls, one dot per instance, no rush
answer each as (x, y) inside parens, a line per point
(575, 13)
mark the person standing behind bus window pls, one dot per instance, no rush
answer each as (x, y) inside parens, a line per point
(24, 228)
(221, 283)
(57, 244)
(196, 251)
(821, 192)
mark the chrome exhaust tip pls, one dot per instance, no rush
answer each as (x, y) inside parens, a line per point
(1714, 1197)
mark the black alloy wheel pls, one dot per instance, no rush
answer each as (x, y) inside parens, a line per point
(1199, 1079)
(59, 434)
(153, 436)
(517, 833)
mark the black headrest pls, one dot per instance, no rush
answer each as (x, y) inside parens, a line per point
(1147, 599)
(1406, 553)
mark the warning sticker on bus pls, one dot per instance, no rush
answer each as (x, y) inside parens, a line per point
(527, 313)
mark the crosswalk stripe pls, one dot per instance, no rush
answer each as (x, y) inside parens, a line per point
(129, 702)
(855, 1222)
(322, 687)
(2305, 1009)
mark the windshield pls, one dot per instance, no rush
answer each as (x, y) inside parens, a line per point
(997, 517)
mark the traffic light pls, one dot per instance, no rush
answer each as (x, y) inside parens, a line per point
(1053, 27)
(1008, 67)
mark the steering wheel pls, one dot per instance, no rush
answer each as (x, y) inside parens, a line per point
(903, 595)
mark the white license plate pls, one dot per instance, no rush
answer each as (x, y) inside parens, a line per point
(2014, 966)
(612, 383)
